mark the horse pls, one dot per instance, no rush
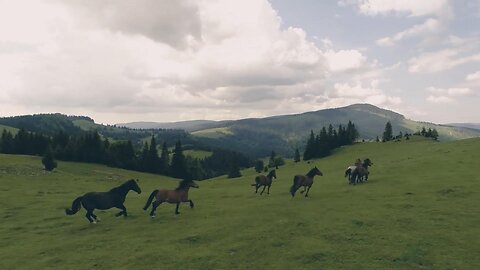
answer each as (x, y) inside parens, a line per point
(360, 173)
(348, 172)
(265, 181)
(104, 200)
(179, 195)
(304, 180)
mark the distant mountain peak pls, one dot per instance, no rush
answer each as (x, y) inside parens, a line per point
(365, 107)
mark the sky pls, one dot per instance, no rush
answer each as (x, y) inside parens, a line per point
(120, 61)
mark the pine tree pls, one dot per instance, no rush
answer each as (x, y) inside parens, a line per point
(48, 162)
(310, 147)
(259, 165)
(271, 161)
(434, 134)
(387, 134)
(234, 171)
(178, 166)
(153, 162)
(297, 156)
(164, 159)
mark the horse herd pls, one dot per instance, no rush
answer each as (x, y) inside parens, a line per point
(116, 196)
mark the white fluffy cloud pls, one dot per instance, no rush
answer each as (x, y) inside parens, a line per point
(152, 58)
(447, 95)
(408, 7)
(437, 61)
(429, 26)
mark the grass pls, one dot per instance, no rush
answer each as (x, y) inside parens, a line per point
(9, 129)
(200, 154)
(213, 133)
(419, 210)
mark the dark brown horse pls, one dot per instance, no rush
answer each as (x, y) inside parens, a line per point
(265, 181)
(179, 195)
(360, 174)
(304, 180)
(104, 200)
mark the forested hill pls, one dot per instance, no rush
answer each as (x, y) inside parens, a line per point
(287, 132)
(45, 123)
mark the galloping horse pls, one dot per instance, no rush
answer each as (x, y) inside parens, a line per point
(265, 181)
(104, 200)
(304, 180)
(360, 173)
(179, 195)
(348, 172)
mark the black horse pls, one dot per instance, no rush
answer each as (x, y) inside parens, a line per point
(104, 200)
(360, 173)
(304, 180)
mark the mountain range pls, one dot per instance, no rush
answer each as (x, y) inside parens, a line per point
(254, 137)
(284, 133)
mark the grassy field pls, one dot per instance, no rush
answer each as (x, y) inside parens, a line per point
(420, 210)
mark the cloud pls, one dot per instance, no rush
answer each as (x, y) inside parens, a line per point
(408, 7)
(176, 23)
(437, 61)
(222, 59)
(344, 60)
(473, 76)
(429, 26)
(358, 92)
(447, 95)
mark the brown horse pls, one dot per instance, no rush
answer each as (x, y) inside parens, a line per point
(360, 173)
(179, 195)
(304, 180)
(265, 181)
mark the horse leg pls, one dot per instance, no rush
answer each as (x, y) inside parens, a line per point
(268, 190)
(191, 203)
(256, 187)
(94, 216)
(123, 212)
(306, 195)
(176, 208)
(263, 190)
(304, 188)
(155, 204)
(88, 215)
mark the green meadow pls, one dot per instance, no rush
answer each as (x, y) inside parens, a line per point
(419, 210)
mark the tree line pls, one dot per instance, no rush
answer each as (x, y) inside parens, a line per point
(321, 144)
(91, 147)
(388, 133)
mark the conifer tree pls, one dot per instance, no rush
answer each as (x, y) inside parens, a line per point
(178, 166)
(387, 134)
(164, 159)
(48, 162)
(297, 156)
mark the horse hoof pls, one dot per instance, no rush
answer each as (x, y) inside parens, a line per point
(152, 216)
(93, 222)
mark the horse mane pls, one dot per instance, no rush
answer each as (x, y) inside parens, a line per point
(183, 184)
(311, 173)
(270, 174)
(126, 184)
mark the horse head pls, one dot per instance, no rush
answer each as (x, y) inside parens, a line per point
(186, 184)
(272, 174)
(133, 185)
(314, 171)
(367, 162)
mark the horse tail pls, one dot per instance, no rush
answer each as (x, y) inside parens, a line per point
(150, 199)
(75, 206)
(293, 188)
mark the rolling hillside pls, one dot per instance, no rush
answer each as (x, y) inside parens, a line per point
(252, 137)
(285, 133)
(419, 210)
